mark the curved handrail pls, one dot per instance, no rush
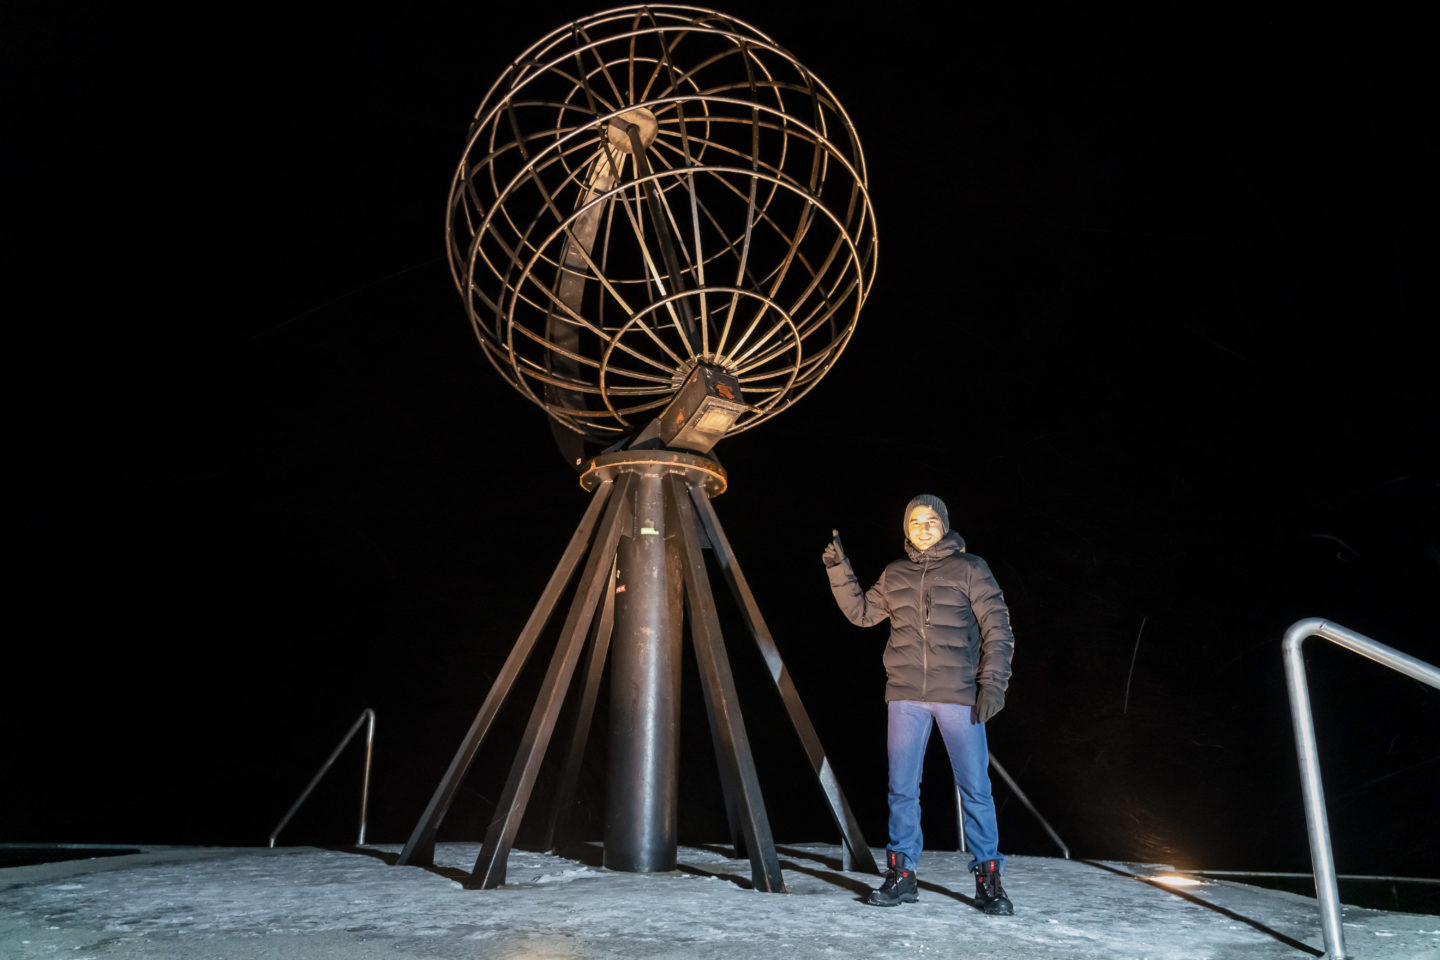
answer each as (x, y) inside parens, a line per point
(1316, 822)
(367, 716)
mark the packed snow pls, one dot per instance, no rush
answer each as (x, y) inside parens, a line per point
(307, 902)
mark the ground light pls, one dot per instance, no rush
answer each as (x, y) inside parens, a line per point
(1177, 880)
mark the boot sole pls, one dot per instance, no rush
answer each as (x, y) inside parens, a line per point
(892, 903)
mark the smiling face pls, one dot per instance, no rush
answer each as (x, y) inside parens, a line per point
(924, 528)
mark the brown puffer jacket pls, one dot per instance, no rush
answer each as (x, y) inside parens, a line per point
(949, 626)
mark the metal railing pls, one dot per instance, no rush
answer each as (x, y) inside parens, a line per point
(1019, 795)
(1322, 860)
(367, 718)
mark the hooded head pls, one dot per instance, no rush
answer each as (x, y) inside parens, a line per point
(926, 521)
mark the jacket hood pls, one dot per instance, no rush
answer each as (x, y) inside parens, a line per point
(952, 542)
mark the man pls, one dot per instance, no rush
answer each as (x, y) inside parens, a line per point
(948, 664)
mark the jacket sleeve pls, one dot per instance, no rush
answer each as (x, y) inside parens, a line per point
(862, 608)
(997, 642)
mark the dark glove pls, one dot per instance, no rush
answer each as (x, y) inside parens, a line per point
(834, 553)
(988, 702)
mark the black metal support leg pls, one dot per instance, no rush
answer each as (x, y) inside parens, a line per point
(856, 852)
(728, 790)
(721, 700)
(679, 576)
(595, 653)
(419, 850)
(490, 865)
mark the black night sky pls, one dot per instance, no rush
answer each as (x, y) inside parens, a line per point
(1154, 315)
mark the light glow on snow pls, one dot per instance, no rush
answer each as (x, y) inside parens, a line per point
(1178, 880)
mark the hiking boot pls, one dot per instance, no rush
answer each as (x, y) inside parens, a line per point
(988, 892)
(900, 884)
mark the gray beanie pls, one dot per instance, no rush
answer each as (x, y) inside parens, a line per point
(926, 500)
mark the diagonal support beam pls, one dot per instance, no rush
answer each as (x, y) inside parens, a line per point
(490, 865)
(857, 855)
(737, 764)
(595, 653)
(419, 850)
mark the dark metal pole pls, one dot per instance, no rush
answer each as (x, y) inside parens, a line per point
(642, 785)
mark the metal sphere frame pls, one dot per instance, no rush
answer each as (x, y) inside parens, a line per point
(650, 188)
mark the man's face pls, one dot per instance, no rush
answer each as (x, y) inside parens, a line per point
(924, 528)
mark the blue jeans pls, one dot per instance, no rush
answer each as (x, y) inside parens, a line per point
(909, 732)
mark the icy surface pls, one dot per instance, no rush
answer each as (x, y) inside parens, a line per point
(304, 902)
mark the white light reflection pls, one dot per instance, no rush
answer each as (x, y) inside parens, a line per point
(1178, 880)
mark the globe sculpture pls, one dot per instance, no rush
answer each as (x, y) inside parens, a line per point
(661, 232)
(650, 189)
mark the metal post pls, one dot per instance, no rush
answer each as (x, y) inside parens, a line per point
(641, 834)
(366, 715)
(1316, 821)
(1327, 892)
(960, 818)
(365, 779)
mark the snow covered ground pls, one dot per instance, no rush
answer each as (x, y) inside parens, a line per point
(303, 902)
